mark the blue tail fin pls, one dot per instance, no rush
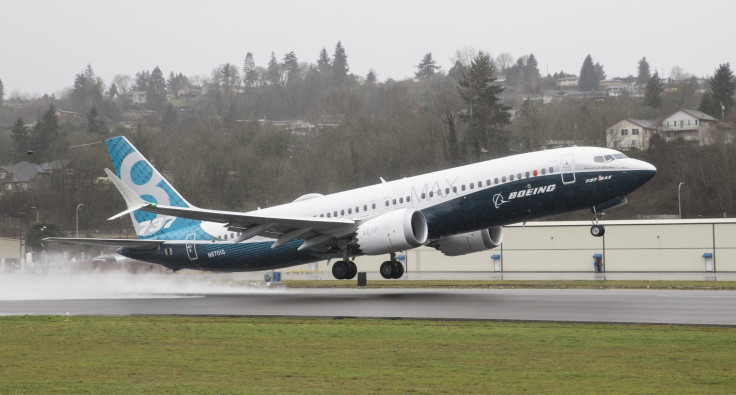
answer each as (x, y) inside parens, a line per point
(136, 172)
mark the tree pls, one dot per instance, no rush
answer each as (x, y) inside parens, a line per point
(122, 81)
(644, 73)
(169, 119)
(503, 62)
(485, 115)
(721, 89)
(426, 68)
(113, 91)
(371, 77)
(340, 66)
(291, 67)
(175, 83)
(250, 76)
(21, 139)
(2, 93)
(590, 75)
(44, 136)
(156, 92)
(87, 90)
(96, 124)
(324, 64)
(274, 71)
(141, 80)
(39, 231)
(653, 91)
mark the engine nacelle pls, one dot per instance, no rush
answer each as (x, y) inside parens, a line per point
(394, 231)
(466, 243)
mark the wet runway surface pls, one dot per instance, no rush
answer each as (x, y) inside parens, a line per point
(621, 306)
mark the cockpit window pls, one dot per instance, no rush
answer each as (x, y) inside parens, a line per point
(608, 158)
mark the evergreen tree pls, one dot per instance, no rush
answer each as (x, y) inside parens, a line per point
(291, 67)
(156, 92)
(274, 71)
(169, 119)
(44, 137)
(644, 74)
(340, 66)
(708, 105)
(589, 76)
(371, 77)
(249, 71)
(427, 68)
(96, 123)
(324, 64)
(2, 93)
(87, 90)
(21, 139)
(653, 91)
(721, 87)
(531, 75)
(113, 91)
(141, 80)
(485, 114)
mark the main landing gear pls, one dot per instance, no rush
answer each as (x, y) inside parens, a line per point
(392, 268)
(344, 270)
(597, 230)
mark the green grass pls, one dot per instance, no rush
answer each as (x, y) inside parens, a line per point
(540, 284)
(259, 355)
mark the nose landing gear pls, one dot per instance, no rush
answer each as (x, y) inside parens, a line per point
(597, 230)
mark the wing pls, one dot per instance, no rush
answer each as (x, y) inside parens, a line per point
(130, 243)
(314, 231)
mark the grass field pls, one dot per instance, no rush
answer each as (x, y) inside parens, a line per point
(271, 355)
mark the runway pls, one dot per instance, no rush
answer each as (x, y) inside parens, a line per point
(614, 306)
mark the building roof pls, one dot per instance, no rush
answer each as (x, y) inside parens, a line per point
(644, 123)
(699, 115)
(24, 171)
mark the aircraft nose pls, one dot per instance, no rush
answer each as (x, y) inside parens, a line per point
(645, 168)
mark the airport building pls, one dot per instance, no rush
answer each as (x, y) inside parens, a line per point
(707, 245)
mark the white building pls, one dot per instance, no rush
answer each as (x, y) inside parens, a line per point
(631, 134)
(689, 125)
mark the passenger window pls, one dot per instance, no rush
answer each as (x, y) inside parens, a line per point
(365, 208)
(480, 184)
(551, 170)
(322, 215)
(431, 194)
(503, 179)
(472, 186)
(387, 203)
(511, 177)
(394, 202)
(335, 214)
(544, 172)
(462, 187)
(401, 200)
(424, 195)
(519, 175)
(495, 180)
(447, 191)
(408, 199)
(527, 174)
(374, 206)
(488, 182)
(454, 189)
(350, 211)
(328, 215)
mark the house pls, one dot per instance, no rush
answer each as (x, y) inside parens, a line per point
(689, 125)
(138, 97)
(631, 134)
(557, 96)
(616, 87)
(24, 177)
(567, 81)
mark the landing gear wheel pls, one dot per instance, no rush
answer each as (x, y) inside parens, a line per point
(387, 270)
(340, 270)
(597, 230)
(398, 270)
(353, 270)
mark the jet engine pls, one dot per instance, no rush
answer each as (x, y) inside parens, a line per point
(394, 231)
(465, 243)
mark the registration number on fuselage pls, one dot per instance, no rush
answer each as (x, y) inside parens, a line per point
(216, 253)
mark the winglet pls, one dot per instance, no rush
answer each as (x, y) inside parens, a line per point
(132, 200)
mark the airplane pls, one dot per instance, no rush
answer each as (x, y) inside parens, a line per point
(457, 211)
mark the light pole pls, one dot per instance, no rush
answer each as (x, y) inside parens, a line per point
(80, 204)
(679, 201)
(36, 208)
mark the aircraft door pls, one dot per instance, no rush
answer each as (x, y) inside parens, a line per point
(567, 169)
(191, 247)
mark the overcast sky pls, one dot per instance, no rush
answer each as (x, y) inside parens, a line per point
(45, 43)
